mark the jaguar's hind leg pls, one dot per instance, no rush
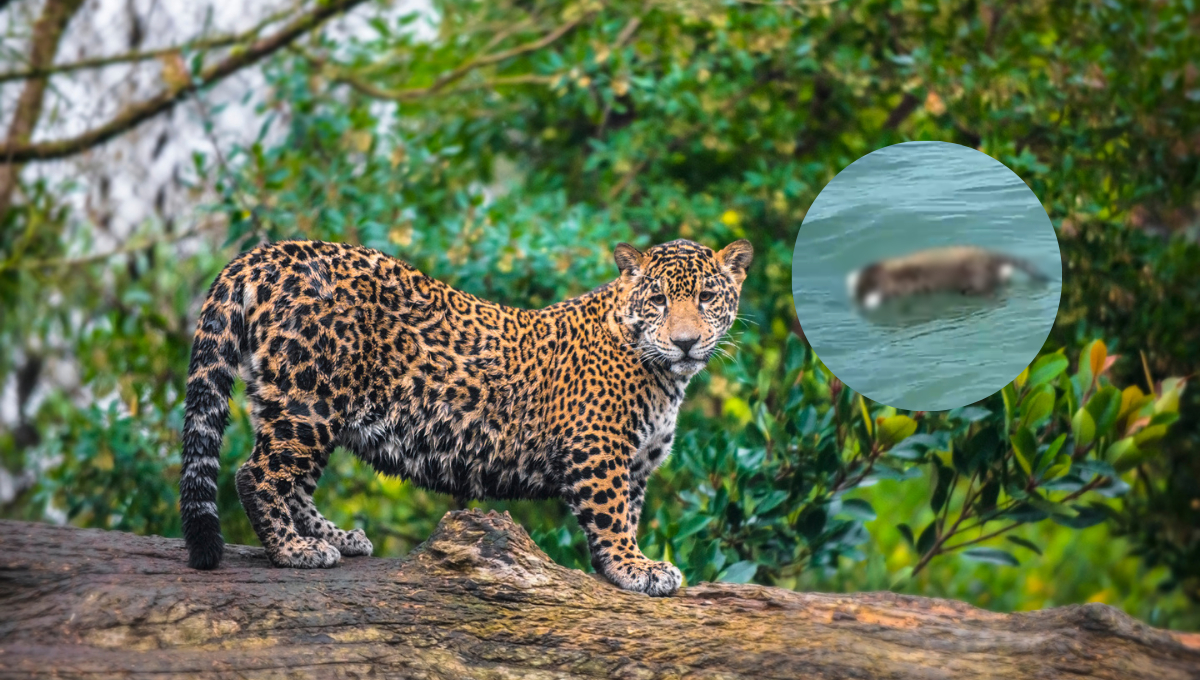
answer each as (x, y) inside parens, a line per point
(310, 521)
(264, 484)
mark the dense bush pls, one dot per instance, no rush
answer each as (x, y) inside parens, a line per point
(773, 493)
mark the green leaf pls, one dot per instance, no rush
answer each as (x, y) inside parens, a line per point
(1150, 435)
(866, 414)
(1104, 407)
(771, 501)
(1087, 468)
(1050, 507)
(928, 536)
(691, 525)
(1165, 418)
(991, 555)
(1037, 406)
(1022, 378)
(1025, 448)
(1060, 467)
(907, 532)
(901, 577)
(812, 521)
(988, 495)
(1084, 517)
(1126, 455)
(914, 446)
(970, 414)
(941, 489)
(1084, 427)
(896, 429)
(858, 509)
(1172, 389)
(763, 384)
(1070, 391)
(794, 354)
(738, 572)
(763, 419)
(1052, 451)
(737, 371)
(1010, 399)
(1025, 512)
(1132, 402)
(958, 458)
(1046, 368)
(1030, 545)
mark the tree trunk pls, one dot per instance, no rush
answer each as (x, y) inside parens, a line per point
(46, 34)
(479, 600)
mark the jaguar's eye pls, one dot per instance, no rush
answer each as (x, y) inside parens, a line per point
(707, 296)
(658, 300)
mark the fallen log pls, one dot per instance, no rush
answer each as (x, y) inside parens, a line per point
(480, 600)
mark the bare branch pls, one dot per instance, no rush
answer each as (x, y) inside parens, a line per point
(997, 532)
(628, 30)
(47, 32)
(625, 180)
(145, 55)
(457, 73)
(132, 246)
(164, 101)
(796, 5)
(908, 104)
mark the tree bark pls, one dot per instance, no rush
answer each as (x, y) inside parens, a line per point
(479, 600)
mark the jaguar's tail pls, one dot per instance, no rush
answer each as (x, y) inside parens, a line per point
(216, 355)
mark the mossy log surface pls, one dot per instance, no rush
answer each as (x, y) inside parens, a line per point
(480, 600)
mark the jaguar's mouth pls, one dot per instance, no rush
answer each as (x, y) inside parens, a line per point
(687, 366)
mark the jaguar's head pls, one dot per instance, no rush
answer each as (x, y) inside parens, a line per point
(677, 300)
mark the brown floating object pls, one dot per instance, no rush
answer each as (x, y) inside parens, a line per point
(956, 269)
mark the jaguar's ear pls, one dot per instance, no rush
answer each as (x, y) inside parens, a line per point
(629, 260)
(736, 257)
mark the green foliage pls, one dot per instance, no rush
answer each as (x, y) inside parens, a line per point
(773, 492)
(711, 121)
(1148, 296)
(107, 470)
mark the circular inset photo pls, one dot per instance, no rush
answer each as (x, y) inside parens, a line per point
(926, 276)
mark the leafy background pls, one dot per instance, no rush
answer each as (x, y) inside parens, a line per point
(512, 177)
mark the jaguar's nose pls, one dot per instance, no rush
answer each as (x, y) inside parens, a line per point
(685, 344)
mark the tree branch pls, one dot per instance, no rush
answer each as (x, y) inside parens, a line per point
(46, 34)
(798, 6)
(908, 103)
(478, 599)
(138, 113)
(144, 55)
(450, 77)
(147, 54)
(973, 541)
(132, 246)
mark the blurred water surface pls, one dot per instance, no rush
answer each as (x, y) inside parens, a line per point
(939, 352)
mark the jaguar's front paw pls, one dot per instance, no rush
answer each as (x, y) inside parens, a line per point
(304, 552)
(656, 579)
(354, 543)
